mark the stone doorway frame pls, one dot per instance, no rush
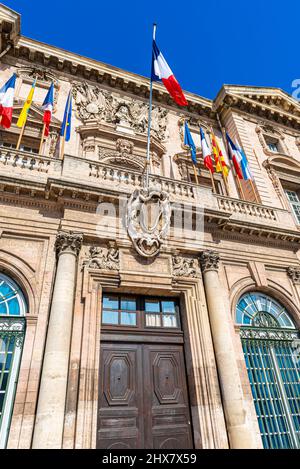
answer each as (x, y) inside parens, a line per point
(208, 422)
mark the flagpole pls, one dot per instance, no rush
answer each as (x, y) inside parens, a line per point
(220, 162)
(212, 181)
(251, 181)
(42, 139)
(149, 116)
(20, 136)
(65, 129)
(196, 175)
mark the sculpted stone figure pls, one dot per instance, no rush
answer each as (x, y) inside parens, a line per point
(100, 258)
(184, 266)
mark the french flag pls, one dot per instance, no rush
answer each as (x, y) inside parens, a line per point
(161, 71)
(48, 108)
(7, 101)
(235, 156)
(206, 152)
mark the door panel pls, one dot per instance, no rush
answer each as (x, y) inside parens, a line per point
(169, 425)
(120, 423)
(143, 399)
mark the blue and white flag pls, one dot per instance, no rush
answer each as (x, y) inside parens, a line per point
(188, 141)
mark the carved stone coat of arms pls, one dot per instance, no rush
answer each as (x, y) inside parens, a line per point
(148, 220)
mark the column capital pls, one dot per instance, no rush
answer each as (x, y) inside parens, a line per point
(68, 241)
(209, 260)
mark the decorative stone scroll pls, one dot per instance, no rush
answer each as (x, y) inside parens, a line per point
(95, 103)
(185, 266)
(209, 260)
(147, 220)
(294, 274)
(103, 258)
(68, 241)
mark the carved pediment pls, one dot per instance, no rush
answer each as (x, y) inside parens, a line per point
(283, 162)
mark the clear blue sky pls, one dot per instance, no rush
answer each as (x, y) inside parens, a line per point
(206, 43)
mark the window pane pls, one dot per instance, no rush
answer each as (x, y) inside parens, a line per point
(168, 306)
(128, 304)
(169, 320)
(152, 305)
(110, 302)
(110, 317)
(153, 320)
(128, 319)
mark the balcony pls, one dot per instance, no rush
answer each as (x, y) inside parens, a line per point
(81, 176)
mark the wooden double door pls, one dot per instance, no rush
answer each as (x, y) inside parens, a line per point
(143, 400)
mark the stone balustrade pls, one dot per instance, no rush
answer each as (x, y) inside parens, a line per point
(131, 178)
(80, 170)
(249, 209)
(22, 160)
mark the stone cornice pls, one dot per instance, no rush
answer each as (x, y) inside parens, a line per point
(78, 66)
(268, 103)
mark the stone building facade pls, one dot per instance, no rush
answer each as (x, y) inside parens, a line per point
(119, 334)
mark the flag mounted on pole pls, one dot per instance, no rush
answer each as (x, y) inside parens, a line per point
(247, 175)
(188, 141)
(24, 114)
(206, 152)
(161, 71)
(65, 131)
(25, 110)
(66, 125)
(7, 101)
(221, 166)
(235, 156)
(47, 107)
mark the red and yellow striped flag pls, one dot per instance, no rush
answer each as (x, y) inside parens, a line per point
(221, 166)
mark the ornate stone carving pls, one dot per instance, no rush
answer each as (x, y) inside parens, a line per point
(103, 258)
(209, 260)
(185, 266)
(68, 241)
(148, 220)
(294, 274)
(92, 102)
(124, 147)
(122, 155)
(274, 178)
(53, 143)
(42, 74)
(265, 130)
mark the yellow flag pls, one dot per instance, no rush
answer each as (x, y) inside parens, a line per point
(221, 165)
(24, 113)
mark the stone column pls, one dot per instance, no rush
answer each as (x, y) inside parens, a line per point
(239, 432)
(48, 430)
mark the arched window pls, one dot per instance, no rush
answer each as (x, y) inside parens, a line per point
(12, 329)
(270, 343)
